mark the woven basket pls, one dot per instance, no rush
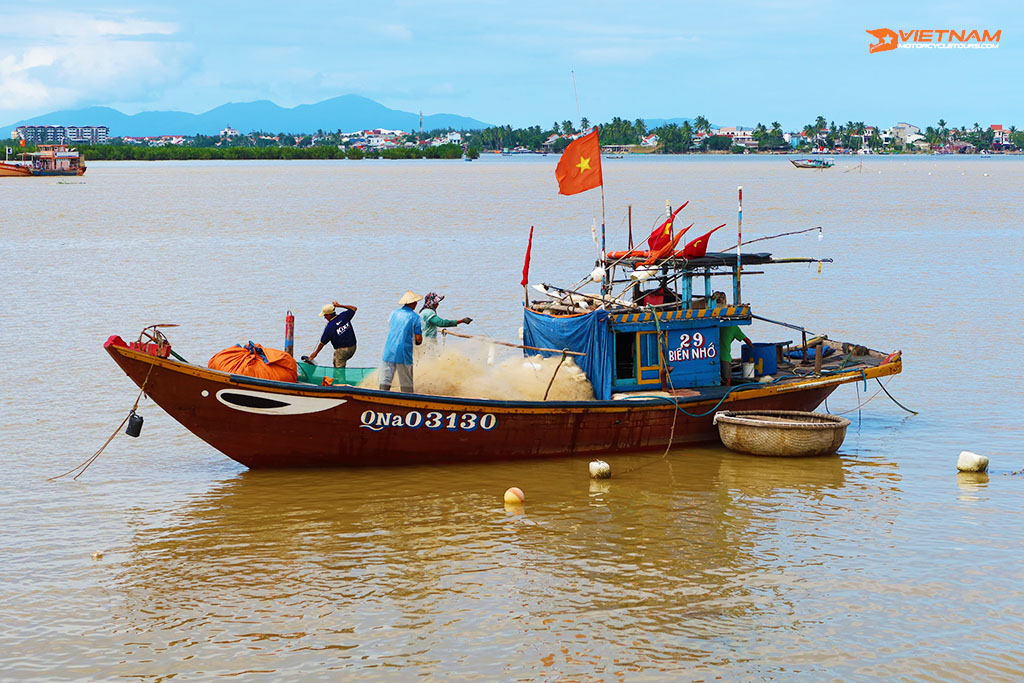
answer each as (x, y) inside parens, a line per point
(781, 432)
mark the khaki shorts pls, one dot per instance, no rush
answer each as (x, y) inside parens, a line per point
(342, 355)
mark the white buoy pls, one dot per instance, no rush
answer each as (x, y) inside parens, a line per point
(971, 462)
(599, 469)
(597, 275)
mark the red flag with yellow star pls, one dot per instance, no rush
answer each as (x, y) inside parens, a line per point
(662, 234)
(699, 247)
(579, 169)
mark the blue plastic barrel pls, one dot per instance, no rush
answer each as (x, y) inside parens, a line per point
(764, 356)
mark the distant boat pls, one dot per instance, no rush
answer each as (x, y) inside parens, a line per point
(49, 160)
(812, 163)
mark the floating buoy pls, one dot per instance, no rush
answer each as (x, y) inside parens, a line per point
(599, 469)
(514, 496)
(97, 555)
(971, 462)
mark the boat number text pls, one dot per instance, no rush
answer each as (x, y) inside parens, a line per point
(692, 347)
(414, 419)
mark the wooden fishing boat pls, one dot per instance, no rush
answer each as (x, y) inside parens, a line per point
(812, 163)
(650, 354)
(50, 160)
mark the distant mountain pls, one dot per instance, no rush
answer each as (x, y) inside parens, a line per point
(346, 113)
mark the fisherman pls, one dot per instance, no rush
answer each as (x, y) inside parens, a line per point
(727, 335)
(404, 328)
(338, 332)
(432, 321)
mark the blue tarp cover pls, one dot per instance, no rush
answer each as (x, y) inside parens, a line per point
(589, 334)
(811, 352)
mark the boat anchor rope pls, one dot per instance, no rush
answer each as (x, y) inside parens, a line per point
(82, 467)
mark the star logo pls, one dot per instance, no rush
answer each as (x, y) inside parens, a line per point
(584, 164)
(887, 40)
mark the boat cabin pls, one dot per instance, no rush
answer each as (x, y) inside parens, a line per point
(660, 331)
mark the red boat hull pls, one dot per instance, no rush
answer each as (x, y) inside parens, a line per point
(266, 424)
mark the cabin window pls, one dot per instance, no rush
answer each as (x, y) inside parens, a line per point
(625, 355)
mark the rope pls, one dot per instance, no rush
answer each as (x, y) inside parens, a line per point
(668, 377)
(92, 458)
(912, 412)
(554, 374)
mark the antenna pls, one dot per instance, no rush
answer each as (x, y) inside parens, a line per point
(421, 122)
(579, 114)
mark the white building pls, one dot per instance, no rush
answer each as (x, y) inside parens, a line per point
(229, 132)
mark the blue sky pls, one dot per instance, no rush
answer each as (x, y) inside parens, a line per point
(736, 63)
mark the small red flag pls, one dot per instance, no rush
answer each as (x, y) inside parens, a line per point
(579, 169)
(663, 233)
(666, 250)
(21, 142)
(526, 265)
(699, 247)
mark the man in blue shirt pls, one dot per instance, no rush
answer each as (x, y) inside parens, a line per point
(404, 328)
(338, 333)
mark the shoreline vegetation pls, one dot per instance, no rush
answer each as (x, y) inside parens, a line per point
(618, 136)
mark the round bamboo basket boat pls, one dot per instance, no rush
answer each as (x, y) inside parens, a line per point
(781, 432)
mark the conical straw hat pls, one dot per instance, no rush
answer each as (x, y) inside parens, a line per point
(410, 297)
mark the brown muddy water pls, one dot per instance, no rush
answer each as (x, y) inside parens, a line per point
(166, 560)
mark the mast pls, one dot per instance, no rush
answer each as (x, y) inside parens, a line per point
(739, 243)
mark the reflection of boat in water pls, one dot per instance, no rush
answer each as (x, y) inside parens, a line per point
(812, 163)
(650, 354)
(50, 160)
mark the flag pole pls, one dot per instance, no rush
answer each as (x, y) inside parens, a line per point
(739, 243)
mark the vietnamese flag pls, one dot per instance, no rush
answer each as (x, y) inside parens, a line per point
(666, 250)
(661, 235)
(21, 142)
(699, 247)
(579, 169)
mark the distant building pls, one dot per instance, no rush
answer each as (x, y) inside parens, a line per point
(744, 137)
(155, 140)
(93, 135)
(59, 135)
(229, 132)
(650, 141)
(1000, 136)
(905, 133)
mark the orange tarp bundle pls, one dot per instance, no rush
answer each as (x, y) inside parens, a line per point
(252, 360)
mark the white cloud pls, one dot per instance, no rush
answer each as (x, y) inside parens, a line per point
(67, 60)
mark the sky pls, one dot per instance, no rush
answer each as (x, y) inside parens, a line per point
(514, 63)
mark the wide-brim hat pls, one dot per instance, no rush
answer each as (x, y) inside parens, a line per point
(410, 297)
(327, 310)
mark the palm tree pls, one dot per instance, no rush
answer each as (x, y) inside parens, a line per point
(702, 125)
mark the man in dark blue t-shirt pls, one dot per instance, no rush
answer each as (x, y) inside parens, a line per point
(338, 333)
